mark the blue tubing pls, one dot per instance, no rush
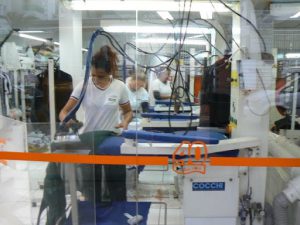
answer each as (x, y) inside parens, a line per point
(73, 111)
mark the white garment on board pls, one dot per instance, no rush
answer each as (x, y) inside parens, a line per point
(163, 88)
(137, 97)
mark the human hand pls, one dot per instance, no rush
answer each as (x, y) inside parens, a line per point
(71, 123)
(75, 125)
(173, 96)
(123, 125)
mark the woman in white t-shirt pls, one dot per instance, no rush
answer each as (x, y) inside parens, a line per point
(136, 91)
(103, 98)
(161, 87)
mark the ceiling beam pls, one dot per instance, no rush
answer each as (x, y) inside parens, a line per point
(261, 4)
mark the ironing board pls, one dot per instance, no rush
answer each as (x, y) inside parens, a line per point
(183, 116)
(168, 103)
(208, 137)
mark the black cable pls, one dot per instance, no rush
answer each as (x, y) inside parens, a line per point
(185, 89)
(141, 50)
(157, 56)
(172, 94)
(150, 53)
(213, 56)
(193, 56)
(248, 182)
(225, 28)
(212, 44)
(263, 84)
(181, 42)
(119, 49)
(248, 21)
(176, 91)
(175, 77)
(146, 53)
(177, 55)
(193, 21)
(213, 26)
(153, 53)
(181, 26)
(116, 45)
(168, 62)
(187, 25)
(265, 90)
(122, 52)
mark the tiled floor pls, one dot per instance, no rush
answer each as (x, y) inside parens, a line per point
(20, 188)
(14, 197)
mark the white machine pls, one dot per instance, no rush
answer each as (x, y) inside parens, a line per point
(150, 123)
(211, 198)
(165, 108)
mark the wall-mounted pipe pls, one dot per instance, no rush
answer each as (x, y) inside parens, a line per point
(297, 213)
(280, 209)
(284, 199)
(280, 146)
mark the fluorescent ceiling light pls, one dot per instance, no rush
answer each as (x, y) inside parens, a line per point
(155, 29)
(43, 40)
(296, 15)
(143, 5)
(58, 44)
(280, 56)
(292, 55)
(33, 37)
(30, 31)
(170, 41)
(196, 36)
(206, 14)
(165, 15)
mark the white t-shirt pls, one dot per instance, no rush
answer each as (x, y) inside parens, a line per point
(137, 97)
(162, 88)
(101, 106)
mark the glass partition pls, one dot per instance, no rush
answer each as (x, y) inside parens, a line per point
(149, 112)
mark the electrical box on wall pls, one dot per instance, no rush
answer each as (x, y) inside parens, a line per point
(247, 74)
(255, 74)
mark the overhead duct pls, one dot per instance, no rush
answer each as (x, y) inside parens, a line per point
(284, 11)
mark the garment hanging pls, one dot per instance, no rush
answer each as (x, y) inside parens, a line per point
(215, 95)
(63, 88)
(5, 92)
